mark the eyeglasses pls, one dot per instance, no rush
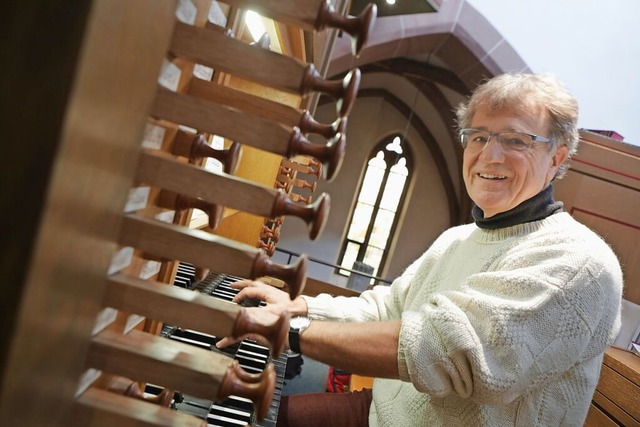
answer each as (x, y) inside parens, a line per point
(476, 140)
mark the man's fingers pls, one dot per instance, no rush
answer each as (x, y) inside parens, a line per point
(241, 284)
(249, 293)
(226, 341)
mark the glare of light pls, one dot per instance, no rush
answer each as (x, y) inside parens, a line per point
(254, 23)
(391, 1)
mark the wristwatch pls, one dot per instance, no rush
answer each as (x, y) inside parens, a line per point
(297, 326)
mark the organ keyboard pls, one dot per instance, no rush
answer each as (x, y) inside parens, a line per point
(234, 410)
(252, 357)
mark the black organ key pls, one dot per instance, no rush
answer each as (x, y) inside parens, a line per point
(180, 282)
(185, 276)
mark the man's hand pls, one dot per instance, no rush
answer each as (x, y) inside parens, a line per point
(277, 301)
(279, 305)
(263, 326)
(367, 348)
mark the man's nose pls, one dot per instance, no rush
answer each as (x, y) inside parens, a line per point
(492, 149)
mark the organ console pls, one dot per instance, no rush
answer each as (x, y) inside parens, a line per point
(251, 356)
(108, 328)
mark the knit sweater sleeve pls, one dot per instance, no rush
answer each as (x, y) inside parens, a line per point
(533, 313)
(380, 303)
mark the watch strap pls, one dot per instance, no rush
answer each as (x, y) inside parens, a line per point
(294, 340)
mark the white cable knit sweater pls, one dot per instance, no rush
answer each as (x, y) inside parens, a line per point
(499, 327)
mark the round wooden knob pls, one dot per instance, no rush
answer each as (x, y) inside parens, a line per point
(294, 274)
(195, 147)
(229, 157)
(344, 91)
(233, 154)
(341, 125)
(310, 125)
(315, 167)
(330, 154)
(213, 211)
(285, 186)
(260, 393)
(179, 202)
(359, 27)
(301, 199)
(276, 333)
(301, 183)
(350, 86)
(315, 214)
(244, 375)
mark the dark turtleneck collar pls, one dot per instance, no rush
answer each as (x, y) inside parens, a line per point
(536, 208)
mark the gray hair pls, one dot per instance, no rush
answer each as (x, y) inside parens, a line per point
(529, 92)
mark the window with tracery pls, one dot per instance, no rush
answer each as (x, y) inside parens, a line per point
(378, 204)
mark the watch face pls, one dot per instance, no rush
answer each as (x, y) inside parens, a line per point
(299, 322)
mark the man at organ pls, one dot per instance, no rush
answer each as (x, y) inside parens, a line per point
(503, 321)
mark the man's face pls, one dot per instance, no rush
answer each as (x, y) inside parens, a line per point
(498, 181)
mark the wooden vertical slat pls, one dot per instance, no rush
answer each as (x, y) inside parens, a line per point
(103, 122)
(100, 408)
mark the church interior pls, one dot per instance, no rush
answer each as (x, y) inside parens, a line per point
(159, 150)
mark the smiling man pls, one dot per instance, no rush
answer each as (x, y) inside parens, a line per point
(503, 169)
(502, 322)
(509, 154)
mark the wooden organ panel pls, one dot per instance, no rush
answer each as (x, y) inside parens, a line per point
(104, 117)
(601, 190)
(86, 339)
(615, 401)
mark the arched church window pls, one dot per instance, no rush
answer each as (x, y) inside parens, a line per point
(379, 202)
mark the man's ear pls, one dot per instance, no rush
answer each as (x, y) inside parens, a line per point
(558, 158)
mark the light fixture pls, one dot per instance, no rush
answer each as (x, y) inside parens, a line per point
(391, 1)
